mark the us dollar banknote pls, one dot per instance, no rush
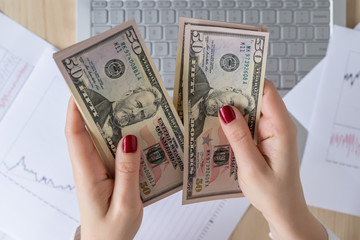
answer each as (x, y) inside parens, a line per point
(222, 66)
(118, 91)
(186, 22)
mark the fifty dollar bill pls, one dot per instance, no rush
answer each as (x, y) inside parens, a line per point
(222, 66)
(186, 22)
(118, 91)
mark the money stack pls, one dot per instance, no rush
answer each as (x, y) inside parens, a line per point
(218, 64)
(118, 91)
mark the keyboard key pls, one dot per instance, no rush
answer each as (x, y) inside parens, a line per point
(235, 16)
(142, 31)
(296, 49)
(291, 4)
(228, 4)
(133, 14)
(99, 4)
(307, 4)
(201, 14)
(168, 65)
(115, 4)
(217, 15)
(306, 64)
(167, 16)
(168, 80)
(173, 48)
(155, 32)
(157, 63)
(163, 4)
(285, 16)
(132, 4)
(274, 32)
(171, 32)
(322, 33)
(147, 4)
(272, 65)
(316, 49)
(116, 16)
(259, 4)
(268, 16)
(275, 4)
(211, 4)
(289, 33)
(184, 13)
(251, 16)
(161, 49)
(302, 16)
(306, 33)
(151, 16)
(320, 16)
(287, 65)
(179, 4)
(278, 48)
(275, 79)
(242, 4)
(195, 4)
(99, 16)
(288, 81)
(323, 4)
(100, 29)
(149, 47)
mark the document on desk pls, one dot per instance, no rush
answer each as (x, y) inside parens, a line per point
(211, 220)
(17, 59)
(300, 100)
(330, 170)
(38, 199)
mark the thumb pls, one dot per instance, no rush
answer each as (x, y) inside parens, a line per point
(236, 129)
(127, 164)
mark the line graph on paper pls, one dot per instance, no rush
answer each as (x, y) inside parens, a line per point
(344, 145)
(21, 167)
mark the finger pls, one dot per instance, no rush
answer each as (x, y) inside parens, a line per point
(87, 166)
(272, 103)
(127, 164)
(275, 117)
(248, 157)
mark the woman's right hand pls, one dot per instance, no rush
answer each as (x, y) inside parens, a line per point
(268, 172)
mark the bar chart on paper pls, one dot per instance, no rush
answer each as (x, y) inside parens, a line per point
(344, 146)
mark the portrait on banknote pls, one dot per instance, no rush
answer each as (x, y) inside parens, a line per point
(134, 106)
(207, 101)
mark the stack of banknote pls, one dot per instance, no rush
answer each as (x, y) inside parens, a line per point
(118, 91)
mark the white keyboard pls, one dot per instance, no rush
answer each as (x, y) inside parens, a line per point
(299, 30)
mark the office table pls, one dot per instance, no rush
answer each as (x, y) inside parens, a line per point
(54, 20)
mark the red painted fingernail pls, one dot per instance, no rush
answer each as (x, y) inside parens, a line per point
(227, 114)
(130, 144)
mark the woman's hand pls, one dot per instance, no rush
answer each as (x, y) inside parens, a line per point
(268, 173)
(109, 208)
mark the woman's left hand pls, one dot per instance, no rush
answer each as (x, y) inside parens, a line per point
(109, 208)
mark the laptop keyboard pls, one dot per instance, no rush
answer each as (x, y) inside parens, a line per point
(299, 30)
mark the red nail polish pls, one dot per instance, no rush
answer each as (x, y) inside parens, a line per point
(130, 144)
(227, 114)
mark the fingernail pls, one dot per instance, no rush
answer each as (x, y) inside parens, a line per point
(227, 114)
(130, 144)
